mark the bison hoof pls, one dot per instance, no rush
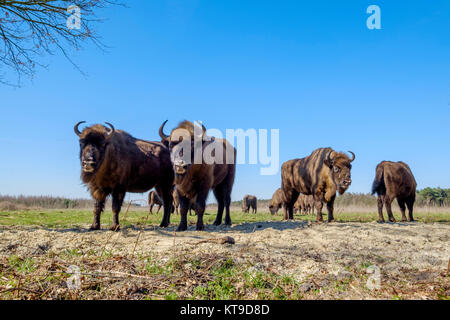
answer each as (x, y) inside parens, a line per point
(200, 227)
(331, 220)
(163, 225)
(381, 221)
(228, 223)
(217, 223)
(392, 220)
(182, 228)
(114, 227)
(94, 227)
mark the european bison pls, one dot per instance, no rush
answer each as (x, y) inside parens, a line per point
(249, 202)
(154, 199)
(195, 176)
(394, 180)
(113, 162)
(277, 201)
(176, 203)
(320, 174)
(304, 204)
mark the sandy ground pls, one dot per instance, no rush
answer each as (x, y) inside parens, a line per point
(299, 249)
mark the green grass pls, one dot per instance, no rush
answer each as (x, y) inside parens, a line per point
(70, 218)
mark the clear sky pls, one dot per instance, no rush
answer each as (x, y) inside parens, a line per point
(309, 68)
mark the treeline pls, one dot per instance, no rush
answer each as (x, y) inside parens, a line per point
(434, 197)
(46, 202)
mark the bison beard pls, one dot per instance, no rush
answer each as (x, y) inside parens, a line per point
(193, 181)
(320, 174)
(394, 180)
(113, 162)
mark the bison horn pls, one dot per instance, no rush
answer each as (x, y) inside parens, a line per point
(111, 130)
(353, 156)
(75, 128)
(163, 136)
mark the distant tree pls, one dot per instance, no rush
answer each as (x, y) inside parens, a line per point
(32, 28)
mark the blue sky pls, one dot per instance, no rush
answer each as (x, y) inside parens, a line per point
(309, 68)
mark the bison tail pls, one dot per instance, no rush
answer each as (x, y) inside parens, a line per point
(378, 184)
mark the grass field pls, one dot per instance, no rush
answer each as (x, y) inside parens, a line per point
(71, 217)
(270, 259)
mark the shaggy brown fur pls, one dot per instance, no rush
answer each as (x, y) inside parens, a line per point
(154, 199)
(304, 204)
(248, 202)
(320, 174)
(113, 163)
(394, 180)
(277, 201)
(194, 181)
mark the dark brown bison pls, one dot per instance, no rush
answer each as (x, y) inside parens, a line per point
(277, 201)
(113, 163)
(304, 204)
(154, 199)
(320, 174)
(196, 175)
(249, 202)
(394, 180)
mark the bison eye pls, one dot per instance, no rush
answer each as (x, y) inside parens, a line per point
(336, 169)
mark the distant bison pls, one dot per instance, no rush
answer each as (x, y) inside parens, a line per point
(176, 203)
(277, 201)
(249, 202)
(320, 174)
(194, 179)
(113, 162)
(154, 199)
(394, 180)
(304, 204)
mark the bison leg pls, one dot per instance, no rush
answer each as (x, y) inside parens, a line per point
(402, 205)
(98, 209)
(166, 192)
(410, 204)
(117, 200)
(387, 203)
(319, 205)
(330, 209)
(159, 208)
(151, 208)
(380, 202)
(184, 207)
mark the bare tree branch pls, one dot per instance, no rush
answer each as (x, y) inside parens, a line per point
(32, 28)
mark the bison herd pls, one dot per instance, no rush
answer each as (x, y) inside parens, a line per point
(113, 162)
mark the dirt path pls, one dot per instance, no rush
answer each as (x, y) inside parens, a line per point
(298, 249)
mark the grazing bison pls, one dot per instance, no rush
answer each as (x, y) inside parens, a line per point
(277, 201)
(154, 199)
(195, 176)
(394, 180)
(113, 163)
(304, 204)
(320, 174)
(249, 202)
(176, 203)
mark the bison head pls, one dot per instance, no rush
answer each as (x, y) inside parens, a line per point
(273, 209)
(93, 143)
(184, 141)
(340, 166)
